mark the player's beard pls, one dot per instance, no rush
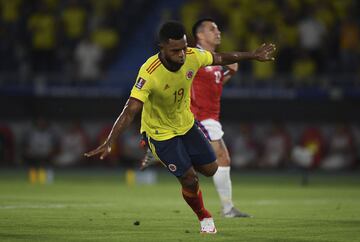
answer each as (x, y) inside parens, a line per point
(169, 64)
(175, 66)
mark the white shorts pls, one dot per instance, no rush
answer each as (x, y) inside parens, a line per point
(212, 129)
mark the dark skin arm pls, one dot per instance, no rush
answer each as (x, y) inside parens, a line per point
(263, 53)
(131, 108)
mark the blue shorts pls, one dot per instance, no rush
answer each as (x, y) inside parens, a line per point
(180, 153)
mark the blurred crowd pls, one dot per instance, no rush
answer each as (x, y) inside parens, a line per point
(42, 143)
(256, 145)
(279, 145)
(66, 41)
(318, 40)
(77, 38)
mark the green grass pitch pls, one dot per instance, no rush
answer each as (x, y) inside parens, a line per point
(99, 206)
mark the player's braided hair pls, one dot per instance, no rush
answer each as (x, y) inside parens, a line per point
(171, 30)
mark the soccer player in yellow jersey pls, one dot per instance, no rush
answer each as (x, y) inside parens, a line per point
(162, 94)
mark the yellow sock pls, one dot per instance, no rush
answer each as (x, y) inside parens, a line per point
(33, 175)
(130, 177)
(42, 175)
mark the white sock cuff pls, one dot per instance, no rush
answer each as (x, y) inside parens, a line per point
(224, 168)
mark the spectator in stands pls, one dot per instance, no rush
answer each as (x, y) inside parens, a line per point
(244, 151)
(108, 39)
(349, 45)
(189, 13)
(73, 143)
(7, 148)
(261, 71)
(288, 39)
(132, 152)
(88, 60)
(112, 159)
(7, 48)
(340, 153)
(312, 33)
(356, 134)
(312, 139)
(303, 69)
(10, 11)
(275, 147)
(74, 20)
(42, 27)
(40, 146)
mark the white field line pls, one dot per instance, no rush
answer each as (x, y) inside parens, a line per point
(308, 202)
(51, 206)
(284, 202)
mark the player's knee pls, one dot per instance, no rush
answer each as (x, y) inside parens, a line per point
(214, 170)
(190, 181)
(224, 160)
(227, 161)
(211, 169)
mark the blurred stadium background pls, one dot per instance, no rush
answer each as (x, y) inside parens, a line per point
(66, 69)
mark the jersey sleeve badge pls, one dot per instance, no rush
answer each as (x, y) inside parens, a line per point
(140, 83)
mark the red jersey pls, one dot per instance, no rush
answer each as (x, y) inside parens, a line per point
(206, 92)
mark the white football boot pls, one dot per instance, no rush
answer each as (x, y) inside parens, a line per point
(207, 226)
(235, 213)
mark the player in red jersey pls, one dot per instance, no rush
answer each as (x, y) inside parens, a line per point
(205, 104)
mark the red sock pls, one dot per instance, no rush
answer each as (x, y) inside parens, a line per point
(195, 201)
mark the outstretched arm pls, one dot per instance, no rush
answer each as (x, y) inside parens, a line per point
(263, 53)
(131, 108)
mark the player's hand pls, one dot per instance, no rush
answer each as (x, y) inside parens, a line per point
(233, 68)
(103, 150)
(265, 52)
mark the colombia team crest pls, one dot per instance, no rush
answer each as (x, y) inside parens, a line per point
(172, 167)
(189, 74)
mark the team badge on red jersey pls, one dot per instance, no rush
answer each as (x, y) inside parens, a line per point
(189, 74)
(208, 68)
(140, 83)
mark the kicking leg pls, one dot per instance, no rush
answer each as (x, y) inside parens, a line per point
(193, 196)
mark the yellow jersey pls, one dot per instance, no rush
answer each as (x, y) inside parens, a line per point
(166, 94)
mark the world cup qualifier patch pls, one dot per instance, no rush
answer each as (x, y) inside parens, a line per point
(140, 83)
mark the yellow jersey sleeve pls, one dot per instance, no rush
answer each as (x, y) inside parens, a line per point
(142, 87)
(204, 57)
